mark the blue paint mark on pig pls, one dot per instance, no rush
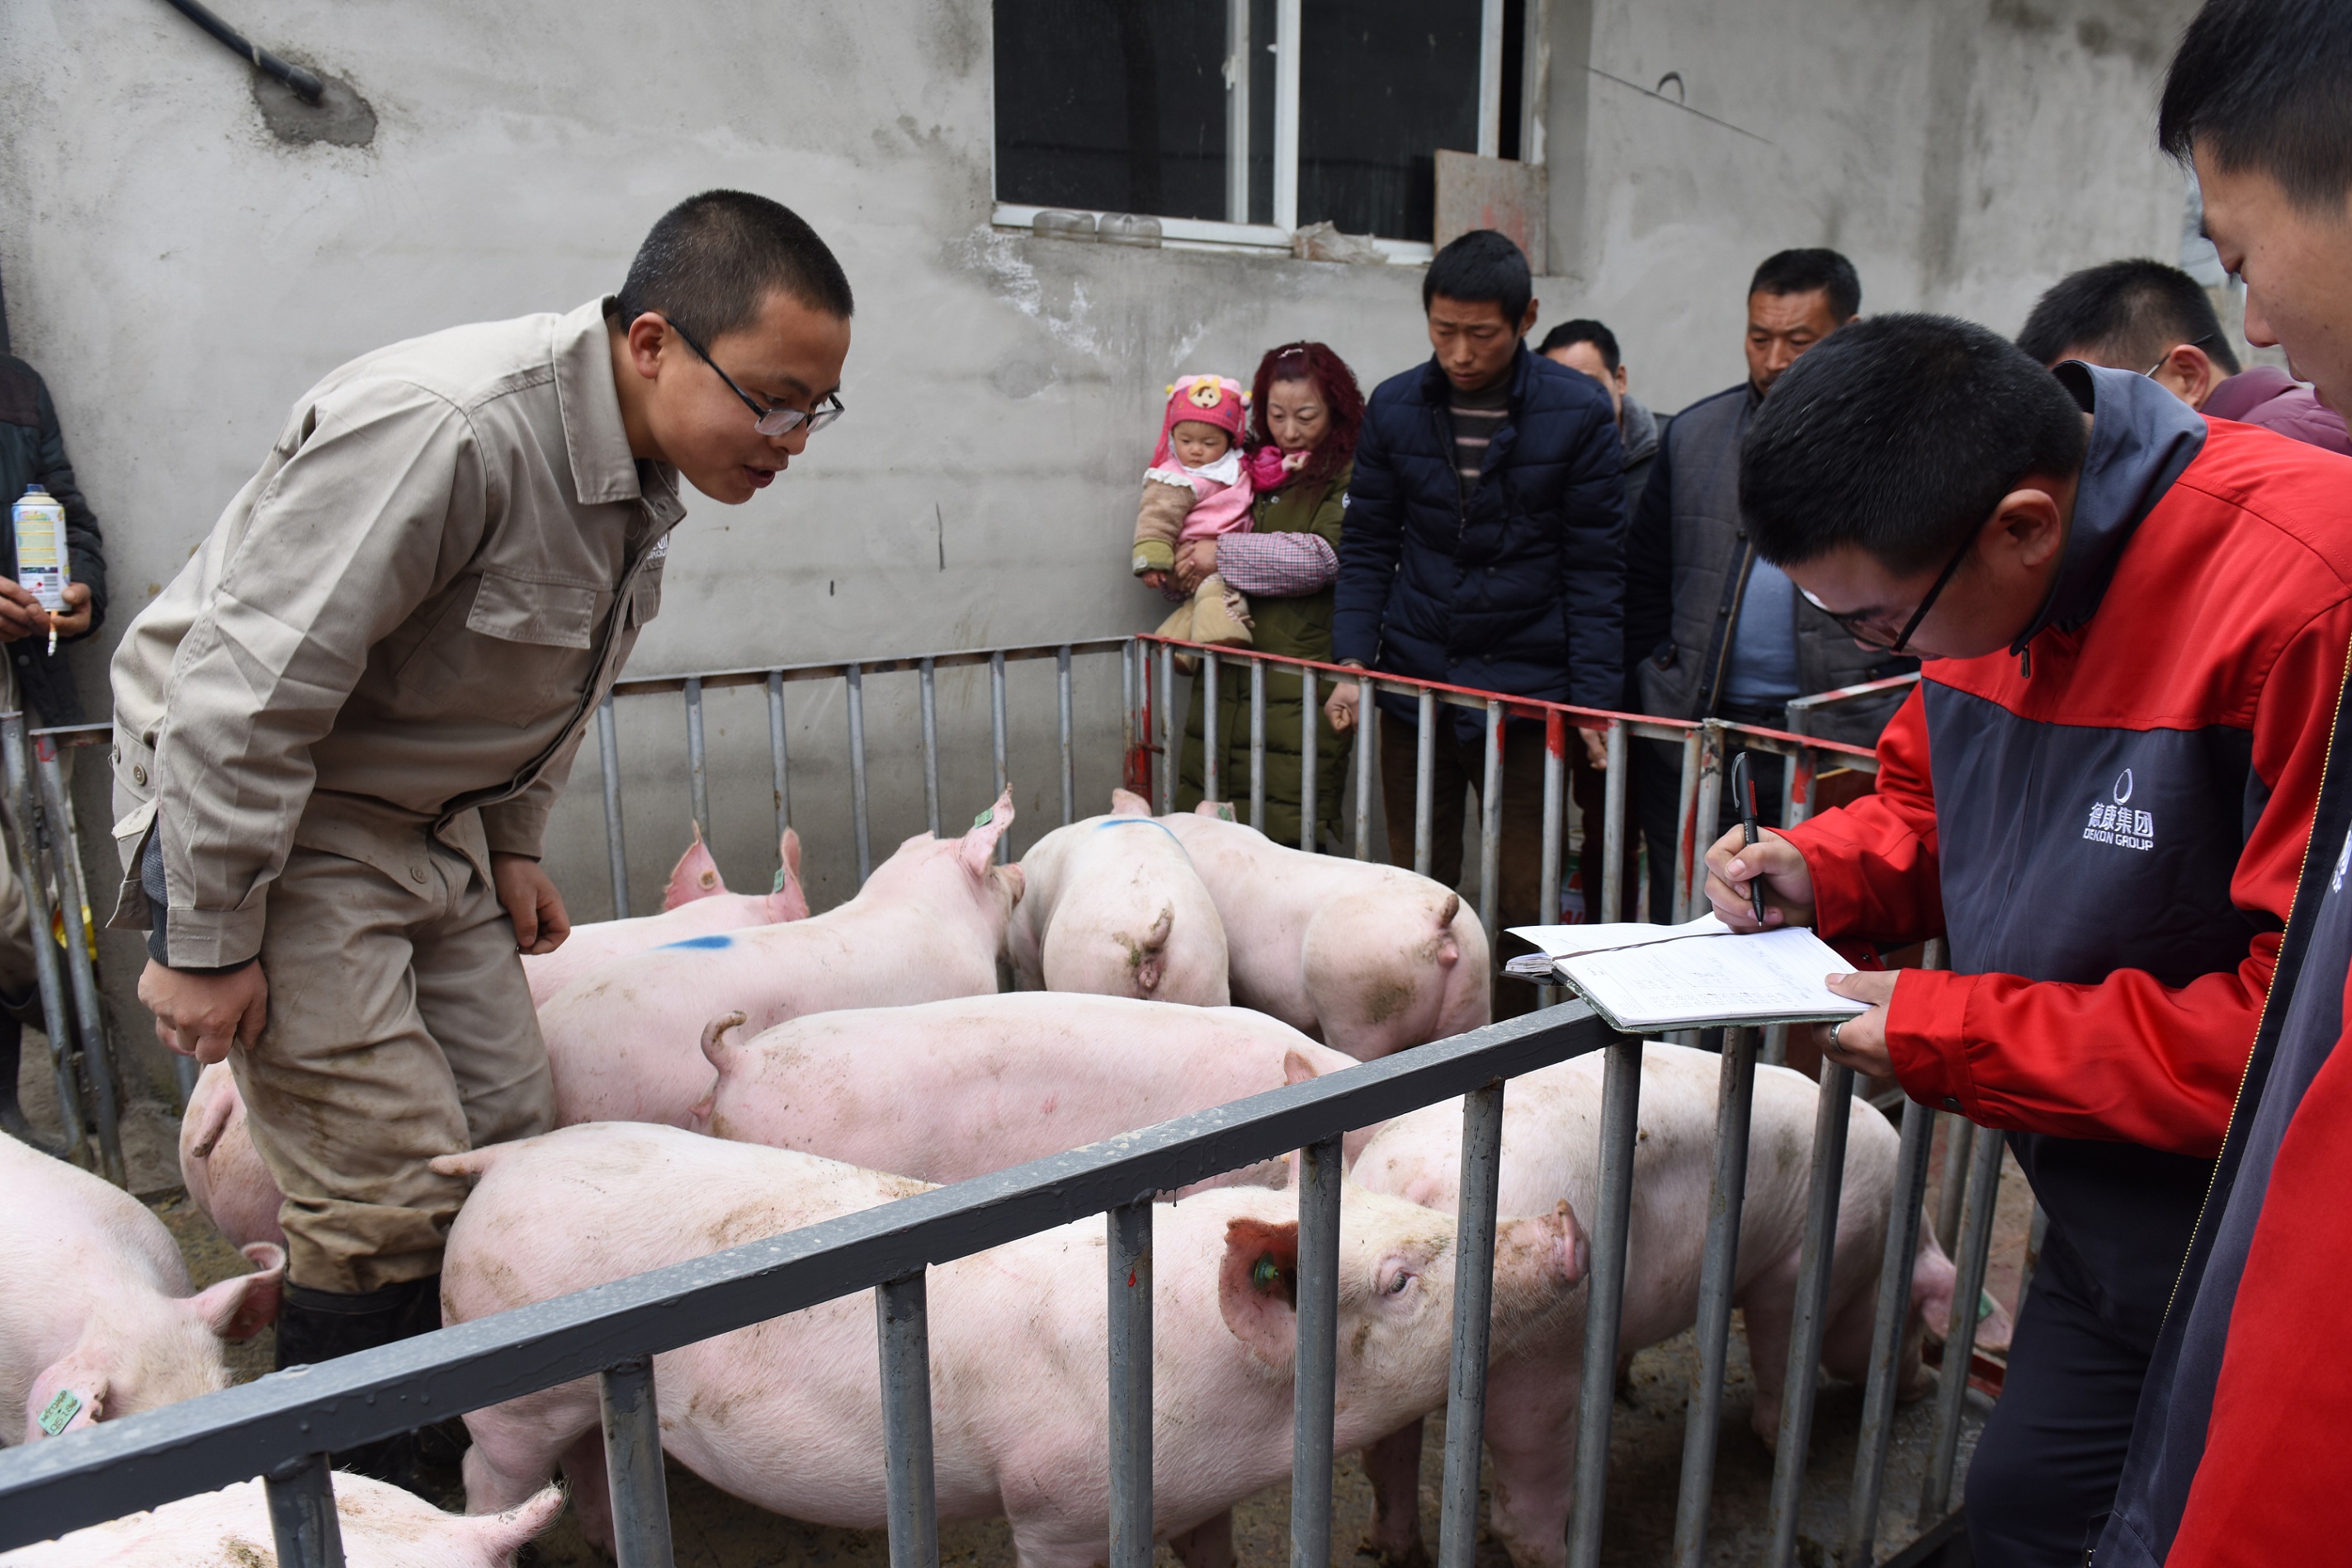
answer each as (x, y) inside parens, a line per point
(699, 942)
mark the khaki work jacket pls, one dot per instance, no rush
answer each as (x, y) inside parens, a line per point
(400, 625)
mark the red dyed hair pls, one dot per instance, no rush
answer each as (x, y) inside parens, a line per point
(1329, 374)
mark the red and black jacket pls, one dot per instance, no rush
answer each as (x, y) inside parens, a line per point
(2107, 822)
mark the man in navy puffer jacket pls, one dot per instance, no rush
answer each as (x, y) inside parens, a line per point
(1484, 547)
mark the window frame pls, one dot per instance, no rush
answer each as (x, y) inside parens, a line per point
(1274, 239)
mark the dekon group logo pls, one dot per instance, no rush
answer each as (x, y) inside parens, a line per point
(2114, 821)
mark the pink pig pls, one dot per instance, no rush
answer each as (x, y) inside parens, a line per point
(1112, 906)
(953, 1089)
(1551, 1143)
(787, 1413)
(97, 1318)
(1367, 958)
(220, 1168)
(695, 903)
(383, 1527)
(624, 1043)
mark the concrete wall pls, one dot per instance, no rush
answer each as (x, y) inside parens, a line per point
(179, 274)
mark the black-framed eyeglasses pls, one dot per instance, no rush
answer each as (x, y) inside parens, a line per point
(1853, 624)
(769, 421)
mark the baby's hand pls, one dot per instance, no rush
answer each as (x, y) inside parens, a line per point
(1156, 579)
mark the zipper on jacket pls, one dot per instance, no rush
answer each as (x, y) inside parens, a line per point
(2261, 1015)
(1714, 693)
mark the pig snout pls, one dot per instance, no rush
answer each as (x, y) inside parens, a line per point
(1544, 1253)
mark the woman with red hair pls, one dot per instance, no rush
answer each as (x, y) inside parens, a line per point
(1305, 411)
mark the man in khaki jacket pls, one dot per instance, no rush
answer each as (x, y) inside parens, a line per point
(338, 732)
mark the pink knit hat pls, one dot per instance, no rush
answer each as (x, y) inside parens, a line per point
(1208, 399)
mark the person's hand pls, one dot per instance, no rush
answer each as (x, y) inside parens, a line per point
(1195, 560)
(1596, 749)
(21, 615)
(1341, 706)
(201, 1016)
(1155, 579)
(531, 903)
(1860, 1042)
(1731, 865)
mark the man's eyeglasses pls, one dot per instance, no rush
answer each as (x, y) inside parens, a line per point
(769, 421)
(1854, 624)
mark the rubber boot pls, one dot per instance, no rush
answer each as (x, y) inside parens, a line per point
(316, 1326)
(12, 1115)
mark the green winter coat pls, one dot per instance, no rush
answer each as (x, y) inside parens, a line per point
(1300, 628)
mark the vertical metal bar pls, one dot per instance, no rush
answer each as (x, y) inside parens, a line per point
(1170, 737)
(1257, 745)
(930, 700)
(89, 1022)
(1490, 820)
(1776, 1045)
(1311, 757)
(1718, 1282)
(697, 776)
(1793, 719)
(776, 753)
(856, 682)
(302, 1519)
(1424, 783)
(1894, 1270)
(1368, 724)
(1686, 830)
(1129, 1229)
(1239, 65)
(902, 1318)
(1833, 1115)
(633, 1465)
(1554, 821)
(1212, 776)
(1620, 1105)
(1709, 811)
(1129, 651)
(996, 714)
(1490, 79)
(1286, 121)
(1953, 1186)
(617, 851)
(1474, 1294)
(1960, 1334)
(1320, 1173)
(1613, 891)
(1069, 765)
(16, 759)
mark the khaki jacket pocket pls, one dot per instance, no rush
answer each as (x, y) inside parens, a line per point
(521, 653)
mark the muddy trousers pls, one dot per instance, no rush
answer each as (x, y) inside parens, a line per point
(400, 1029)
(2047, 1464)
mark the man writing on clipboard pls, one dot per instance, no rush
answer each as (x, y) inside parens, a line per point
(2132, 626)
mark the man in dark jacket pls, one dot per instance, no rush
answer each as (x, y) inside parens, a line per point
(1590, 348)
(33, 452)
(2133, 627)
(1484, 547)
(1712, 630)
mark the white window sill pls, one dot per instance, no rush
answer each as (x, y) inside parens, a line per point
(1199, 234)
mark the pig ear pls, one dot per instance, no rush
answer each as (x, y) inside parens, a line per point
(1222, 810)
(497, 1537)
(241, 1307)
(220, 1104)
(978, 850)
(695, 875)
(788, 901)
(67, 1395)
(1127, 802)
(1296, 1068)
(1257, 1289)
(789, 846)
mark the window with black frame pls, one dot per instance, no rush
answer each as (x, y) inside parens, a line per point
(1136, 107)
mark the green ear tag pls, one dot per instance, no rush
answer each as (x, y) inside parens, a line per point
(60, 1412)
(779, 885)
(981, 820)
(1225, 813)
(1266, 1275)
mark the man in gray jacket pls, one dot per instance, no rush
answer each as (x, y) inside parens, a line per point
(1713, 631)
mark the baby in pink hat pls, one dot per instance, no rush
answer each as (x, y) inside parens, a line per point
(1198, 486)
